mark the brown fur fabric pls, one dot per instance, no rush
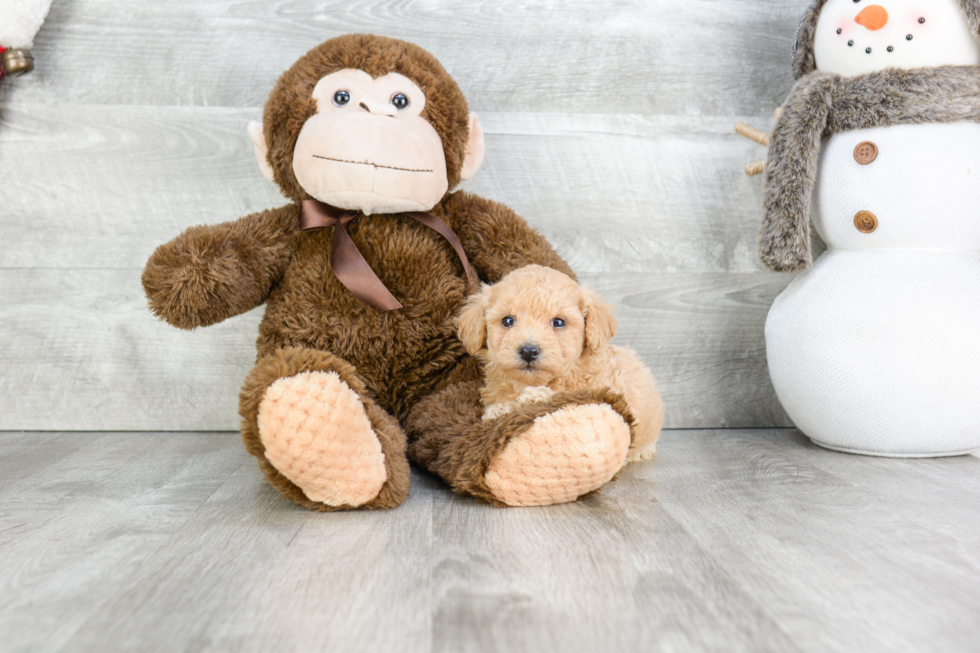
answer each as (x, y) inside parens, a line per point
(401, 355)
(448, 437)
(295, 360)
(823, 104)
(393, 360)
(804, 61)
(212, 273)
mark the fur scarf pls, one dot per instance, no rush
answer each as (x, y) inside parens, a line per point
(822, 104)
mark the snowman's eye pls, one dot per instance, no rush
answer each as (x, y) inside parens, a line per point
(922, 20)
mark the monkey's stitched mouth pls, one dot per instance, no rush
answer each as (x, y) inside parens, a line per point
(367, 163)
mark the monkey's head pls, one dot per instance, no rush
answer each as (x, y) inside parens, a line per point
(368, 123)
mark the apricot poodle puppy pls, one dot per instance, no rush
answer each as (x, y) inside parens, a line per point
(538, 332)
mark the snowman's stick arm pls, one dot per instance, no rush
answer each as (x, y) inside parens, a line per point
(756, 168)
(751, 133)
(760, 137)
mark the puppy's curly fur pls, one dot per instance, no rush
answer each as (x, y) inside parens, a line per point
(570, 353)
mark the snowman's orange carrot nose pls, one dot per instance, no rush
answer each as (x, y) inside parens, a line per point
(874, 17)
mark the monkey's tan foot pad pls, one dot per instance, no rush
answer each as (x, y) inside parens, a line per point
(564, 455)
(316, 433)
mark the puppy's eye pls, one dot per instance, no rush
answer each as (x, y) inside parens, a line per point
(341, 97)
(558, 323)
(508, 321)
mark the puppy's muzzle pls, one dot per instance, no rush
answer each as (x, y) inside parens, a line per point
(529, 353)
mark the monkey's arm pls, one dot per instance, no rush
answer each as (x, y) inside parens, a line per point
(209, 273)
(496, 239)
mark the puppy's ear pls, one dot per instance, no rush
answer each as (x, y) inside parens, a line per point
(600, 323)
(471, 324)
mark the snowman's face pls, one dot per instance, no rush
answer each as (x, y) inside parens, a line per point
(856, 37)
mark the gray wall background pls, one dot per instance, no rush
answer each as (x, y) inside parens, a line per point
(608, 127)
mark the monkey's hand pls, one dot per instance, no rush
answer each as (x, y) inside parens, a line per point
(209, 273)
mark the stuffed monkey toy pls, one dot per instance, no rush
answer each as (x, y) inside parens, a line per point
(363, 273)
(874, 348)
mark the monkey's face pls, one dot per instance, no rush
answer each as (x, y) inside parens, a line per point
(368, 148)
(350, 125)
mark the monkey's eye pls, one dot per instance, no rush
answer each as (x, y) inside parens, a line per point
(341, 97)
(400, 100)
(558, 323)
(508, 321)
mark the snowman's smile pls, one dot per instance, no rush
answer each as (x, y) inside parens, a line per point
(872, 31)
(855, 37)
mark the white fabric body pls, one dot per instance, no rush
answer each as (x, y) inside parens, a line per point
(20, 20)
(924, 188)
(876, 349)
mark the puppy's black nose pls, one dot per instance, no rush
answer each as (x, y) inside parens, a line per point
(529, 352)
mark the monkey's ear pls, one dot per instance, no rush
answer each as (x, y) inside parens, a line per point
(600, 323)
(471, 324)
(261, 149)
(473, 155)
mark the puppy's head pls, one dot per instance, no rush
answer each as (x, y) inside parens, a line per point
(535, 324)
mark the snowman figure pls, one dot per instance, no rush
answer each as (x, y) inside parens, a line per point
(875, 347)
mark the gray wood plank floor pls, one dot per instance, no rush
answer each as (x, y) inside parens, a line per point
(749, 540)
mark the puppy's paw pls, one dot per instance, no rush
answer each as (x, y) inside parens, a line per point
(535, 393)
(493, 411)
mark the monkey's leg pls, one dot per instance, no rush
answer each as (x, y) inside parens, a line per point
(319, 437)
(543, 453)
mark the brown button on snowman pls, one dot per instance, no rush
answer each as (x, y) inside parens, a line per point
(865, 153)
(874, 348)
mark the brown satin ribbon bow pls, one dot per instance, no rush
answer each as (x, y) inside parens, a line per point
(347, 261)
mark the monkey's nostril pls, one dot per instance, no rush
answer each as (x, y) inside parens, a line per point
(529, 352)
(365, 107)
